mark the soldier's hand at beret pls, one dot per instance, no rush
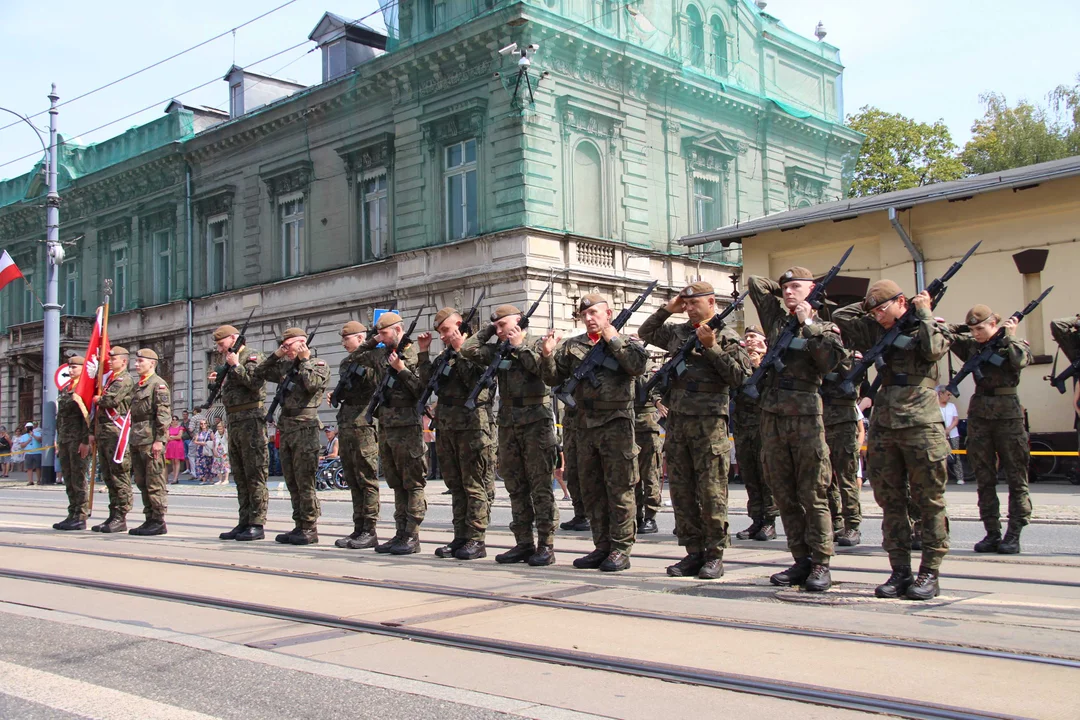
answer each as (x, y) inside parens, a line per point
(706, 335)
(396, 362)
(675, 305)
(1010, 326)
(423, 340)
(922, 301)
(547, 345)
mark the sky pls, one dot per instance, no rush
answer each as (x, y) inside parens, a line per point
(926, 59)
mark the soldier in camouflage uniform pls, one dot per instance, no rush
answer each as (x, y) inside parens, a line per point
(243, 396)
(112, 405)
(73, 449)
(647, 493)
(607, 454)
(906, 442)
(1066, 333)
(795, 456)
(151, 412)
(570, 472)
(462, 436)
(402, 454)
(358, 445)
(996, 426)
(298, 424)
(527, 444)
(746, 426)
(696, 444)
(841, 417)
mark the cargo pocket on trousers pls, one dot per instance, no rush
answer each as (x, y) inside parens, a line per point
(938, 452)
(549, 447)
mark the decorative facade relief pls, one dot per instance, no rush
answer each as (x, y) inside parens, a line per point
(369, 153)
(295, 178)
(805, 187)
(596, 255)
(463, 120)
(218, 203)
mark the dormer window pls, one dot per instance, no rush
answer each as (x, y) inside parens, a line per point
(333, 56)
(345, 44)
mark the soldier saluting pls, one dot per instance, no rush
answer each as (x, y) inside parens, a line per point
(151, 411)
(299, 427)
(112, 406)
(73, 449)
(606, 452)
(243, 395)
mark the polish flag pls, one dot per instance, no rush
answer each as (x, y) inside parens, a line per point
(8, 270)
(122, 443)
(98, 348)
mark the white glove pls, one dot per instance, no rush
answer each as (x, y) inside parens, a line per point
(91, 368)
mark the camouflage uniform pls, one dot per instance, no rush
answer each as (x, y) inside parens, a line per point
(151, 412)
(606, 452)
(462, 439)
(795, 456)
(358, 444)
(72, 431)
(1066, 333)
(526, 436)
(746, 427)
(841, 417)
(570, 470)
(111, 409)
(996, 429)
(244, 397)
(906, 444)
(696, 444)
(647, 492)
(298, 423)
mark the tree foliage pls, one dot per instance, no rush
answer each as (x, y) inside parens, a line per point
(900, 153)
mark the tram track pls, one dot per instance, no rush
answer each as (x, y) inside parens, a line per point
(760, 686)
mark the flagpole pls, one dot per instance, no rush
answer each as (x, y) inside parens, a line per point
(98, 385)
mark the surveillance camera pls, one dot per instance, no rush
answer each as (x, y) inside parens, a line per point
(524, 62)
(534, 47)
(512, 47)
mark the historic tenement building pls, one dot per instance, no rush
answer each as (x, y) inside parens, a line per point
(420, 172)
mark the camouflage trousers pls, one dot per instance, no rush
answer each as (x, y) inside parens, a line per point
(526, 462)
(647, 493)
(299, 462)
(358, 448)
(697, 450)
(760, 504)
(150, 477)
(250, 465)
(908, 465)
(117, 477)
(608, 473)
(74, 467)
(1004, 440)
(463, 461)
(570, 470)
(403, 457)
(795, 459)
(491, 461)
(845, 503)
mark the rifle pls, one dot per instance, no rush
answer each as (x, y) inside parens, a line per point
(676, 364)
(598, 355)
(441, 369)
(773, 359)
(289, 381)
(893, 337)
(1069, 372)
(988, 353)
(488, 378)
(225, 369)
(379, 396)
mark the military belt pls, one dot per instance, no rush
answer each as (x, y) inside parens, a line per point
(242, 408)
(458, 402)
(692, 386)
(606, 404)
(991, 392)
(788, 383)
(909, 380)
(399, 403)
(301, 413)
(525, 401)
(840, 402)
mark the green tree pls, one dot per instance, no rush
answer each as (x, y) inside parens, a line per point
(900, 153)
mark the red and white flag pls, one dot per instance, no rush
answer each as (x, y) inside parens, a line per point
(8, 270)
(86, 388)
(124, 424)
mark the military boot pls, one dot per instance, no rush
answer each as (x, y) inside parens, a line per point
(305, 536)
(71, 523)
(916, 535)
(231, 534)
(925, 586)
(615, 561)
(407, 544)
(447, 551)
(99, 527)
(1010, 544)
(820, 578)
(471, 550)
(751, 531)
(286, 538)
(544, 555)
(849, 538)
(794, 575)
(712, 569)
(344, 542)
(593, 560)
(990, 543)
(251, 532)
(150, 527)
(578, 523)
(385, 547)
(896, 585)
(687, 567)
(519, 553)
(366, 539)
(767, 531)
(114, 524)
(648, 526)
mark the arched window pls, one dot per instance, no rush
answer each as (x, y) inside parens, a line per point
(697, 36)
(719, 42)
(588, 190)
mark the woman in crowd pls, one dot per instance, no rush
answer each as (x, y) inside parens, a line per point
(204, 453)
(5, 452)
(174, 450)
(220, 468)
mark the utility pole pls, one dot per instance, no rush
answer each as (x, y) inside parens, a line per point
(54, 255)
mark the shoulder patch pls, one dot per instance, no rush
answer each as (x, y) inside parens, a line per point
(319, 362)
(162, 387)
(253, 358)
